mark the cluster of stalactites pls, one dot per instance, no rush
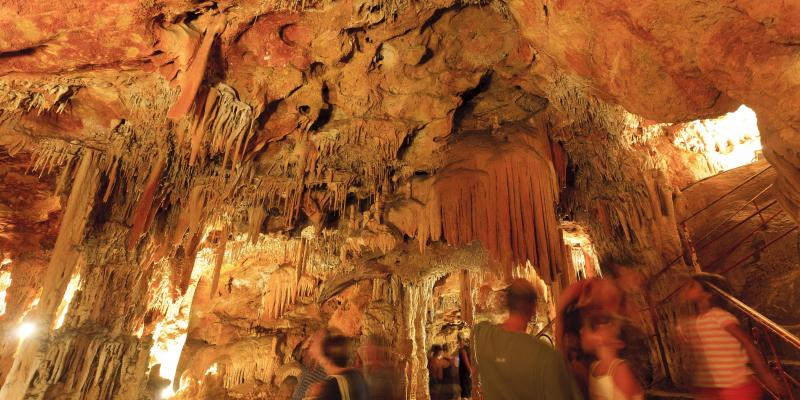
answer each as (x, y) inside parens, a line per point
(500, 192)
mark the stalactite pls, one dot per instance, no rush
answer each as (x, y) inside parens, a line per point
(503, 195)
(195, 73)
(219, 257)
(280, 292)
(90, 366)
(306, 286)
(143, 214)
(252, 361)
(63, 260)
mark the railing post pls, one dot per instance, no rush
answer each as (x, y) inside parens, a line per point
(758, 210)
(778, 363)
(690, 248)
(659, 341)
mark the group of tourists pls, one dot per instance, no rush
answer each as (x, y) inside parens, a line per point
(585, 363)
(450, 375)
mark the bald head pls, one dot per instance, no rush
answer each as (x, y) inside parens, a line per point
(521, 297)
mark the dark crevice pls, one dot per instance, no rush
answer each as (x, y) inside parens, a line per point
(467, 106)
(437, 15)
(28, 51)
(282, 34)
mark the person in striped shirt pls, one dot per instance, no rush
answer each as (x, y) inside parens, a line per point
(721, 350)
(311, 372)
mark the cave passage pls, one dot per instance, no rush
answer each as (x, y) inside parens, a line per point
(394, 200)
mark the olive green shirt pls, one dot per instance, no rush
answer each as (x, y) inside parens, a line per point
(514, 365)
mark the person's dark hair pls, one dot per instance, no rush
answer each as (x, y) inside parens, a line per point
(706, 280)
(521, 297)
(436, 349)
(337, 350)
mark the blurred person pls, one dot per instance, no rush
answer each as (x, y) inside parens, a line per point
(514, 365)
(610, 377)
(343, 383)
(379, 369)
(310, 370)
(464, 368)
(576, 303)
(450, 388)
(720, 349)
(439, 367)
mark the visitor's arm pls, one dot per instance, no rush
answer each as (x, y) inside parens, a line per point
(560, 383)
(626, 381)
(466, 361)
(759, 365)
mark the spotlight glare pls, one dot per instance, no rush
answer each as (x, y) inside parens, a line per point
(25, 330)
(167, 393)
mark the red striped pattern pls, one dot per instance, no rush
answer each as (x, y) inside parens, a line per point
(719, 359)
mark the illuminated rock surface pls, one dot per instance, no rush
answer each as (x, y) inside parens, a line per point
(191, 189)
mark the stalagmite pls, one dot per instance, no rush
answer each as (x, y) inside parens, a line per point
(416, 300)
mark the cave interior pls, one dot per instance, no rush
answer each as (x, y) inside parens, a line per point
(190, 189)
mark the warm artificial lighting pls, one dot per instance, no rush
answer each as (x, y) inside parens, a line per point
(212, 370)
(25, 330)
(729, 141)
(74, 284)
(169, 334)
(581, 251)
(5, 262)
(5, 282)
(167, 393)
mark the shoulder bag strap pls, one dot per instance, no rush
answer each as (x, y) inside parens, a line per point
(344, 387)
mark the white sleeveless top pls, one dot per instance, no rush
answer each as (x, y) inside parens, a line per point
(603, 388)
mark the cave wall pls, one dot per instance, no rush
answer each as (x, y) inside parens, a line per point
(233, 171)
(683, 60)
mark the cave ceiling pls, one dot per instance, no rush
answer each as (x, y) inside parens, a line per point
(270, 116)
(236, 174)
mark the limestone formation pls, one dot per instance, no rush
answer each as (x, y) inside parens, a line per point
(193, 189)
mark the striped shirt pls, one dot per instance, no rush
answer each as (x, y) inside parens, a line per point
(719, 359)
(307, 378)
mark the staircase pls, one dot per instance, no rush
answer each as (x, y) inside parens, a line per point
(733, 227)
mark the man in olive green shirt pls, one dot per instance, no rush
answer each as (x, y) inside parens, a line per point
(514, 365)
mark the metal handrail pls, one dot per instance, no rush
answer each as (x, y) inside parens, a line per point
(730, 217)
(739, 242)
(770, 243)
(666, 267)
(756, 316)
(738, 224)
(770, 325)
(777, 361)
(742, 260)
(735, 188)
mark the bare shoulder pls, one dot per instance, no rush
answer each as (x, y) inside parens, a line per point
(626, 380)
